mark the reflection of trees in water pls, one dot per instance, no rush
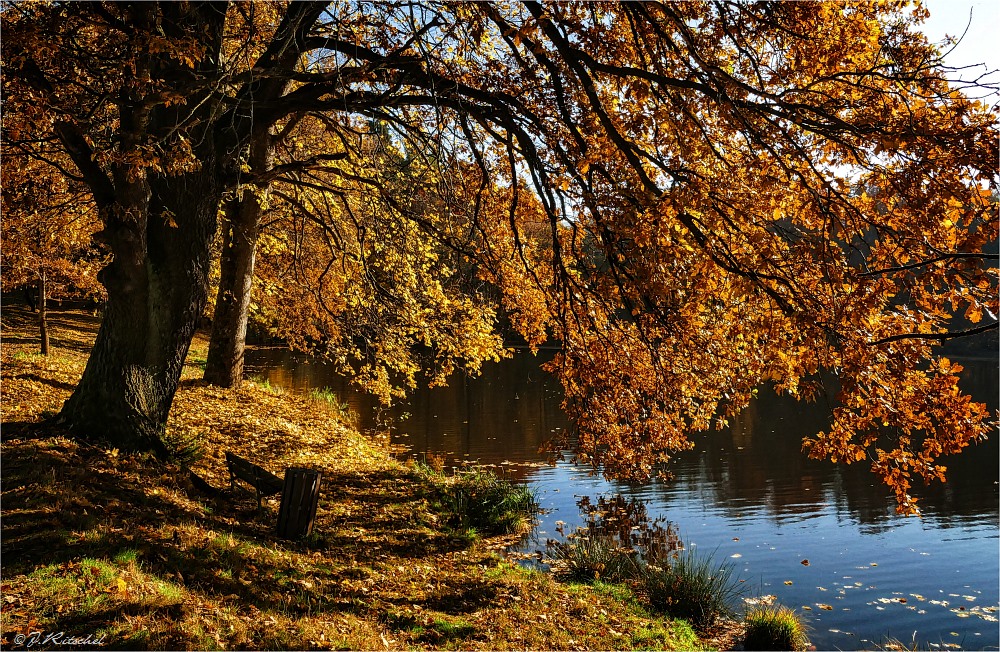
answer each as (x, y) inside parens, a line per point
(756, 463)
(758, 460)
(506, 414)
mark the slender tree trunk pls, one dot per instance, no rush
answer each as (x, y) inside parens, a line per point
(224, 366)
(241, 227)
(157, 287)
(43, 325)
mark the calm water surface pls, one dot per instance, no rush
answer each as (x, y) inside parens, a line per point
(746, 494)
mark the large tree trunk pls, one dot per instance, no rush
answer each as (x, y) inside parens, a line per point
(224, 366)
(157, 286)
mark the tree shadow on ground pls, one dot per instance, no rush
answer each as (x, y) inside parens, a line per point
(47, 381)
(66, 501)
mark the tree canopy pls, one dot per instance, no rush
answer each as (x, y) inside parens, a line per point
(693, 199)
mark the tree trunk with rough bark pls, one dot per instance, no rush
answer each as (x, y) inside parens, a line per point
(224, 366)
(157, 289)
(241, 227)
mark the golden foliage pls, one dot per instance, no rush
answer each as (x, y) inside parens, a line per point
(692, 199)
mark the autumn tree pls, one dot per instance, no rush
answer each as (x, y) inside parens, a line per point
(369, 264)
(734, 194)
(45, 233)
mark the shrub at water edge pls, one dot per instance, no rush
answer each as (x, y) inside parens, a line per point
(483, 500)
(693, 587)
(774, 627)
(595, 557)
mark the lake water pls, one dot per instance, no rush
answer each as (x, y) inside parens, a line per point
(745, 494)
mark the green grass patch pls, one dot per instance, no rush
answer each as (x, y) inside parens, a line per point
(443, 630)
(491, 504)
(265, 384)
(692, 586)
(595, 557)
(341, 410)
(25, 356)
(674, 635)
(774, 627)
(127, 556)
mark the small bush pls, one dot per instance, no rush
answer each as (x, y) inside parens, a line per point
(482, 500)
(616, 542)
(596, 557)
(185, 445)
(771, 627)
(693, 587)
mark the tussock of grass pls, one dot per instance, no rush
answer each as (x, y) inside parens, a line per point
(330, 400)
(595, 557)
(693, 586)
(774, 627)
(620, 544)
(488, 503)
(125, 546)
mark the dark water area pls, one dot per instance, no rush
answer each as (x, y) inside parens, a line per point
(745, 494)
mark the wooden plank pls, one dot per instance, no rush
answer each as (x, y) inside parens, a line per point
(263, 481)
(299, 500)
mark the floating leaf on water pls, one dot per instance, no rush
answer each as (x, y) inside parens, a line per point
(763, 600)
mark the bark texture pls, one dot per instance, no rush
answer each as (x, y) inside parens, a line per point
(241, 225)
(155, 298)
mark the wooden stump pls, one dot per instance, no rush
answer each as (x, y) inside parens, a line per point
(299, 499)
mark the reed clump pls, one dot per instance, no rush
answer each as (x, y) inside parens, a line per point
(774, 627)
(619, 543)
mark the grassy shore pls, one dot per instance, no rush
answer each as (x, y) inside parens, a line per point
(126, 547)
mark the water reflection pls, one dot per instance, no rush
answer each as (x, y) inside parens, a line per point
(756, 464)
